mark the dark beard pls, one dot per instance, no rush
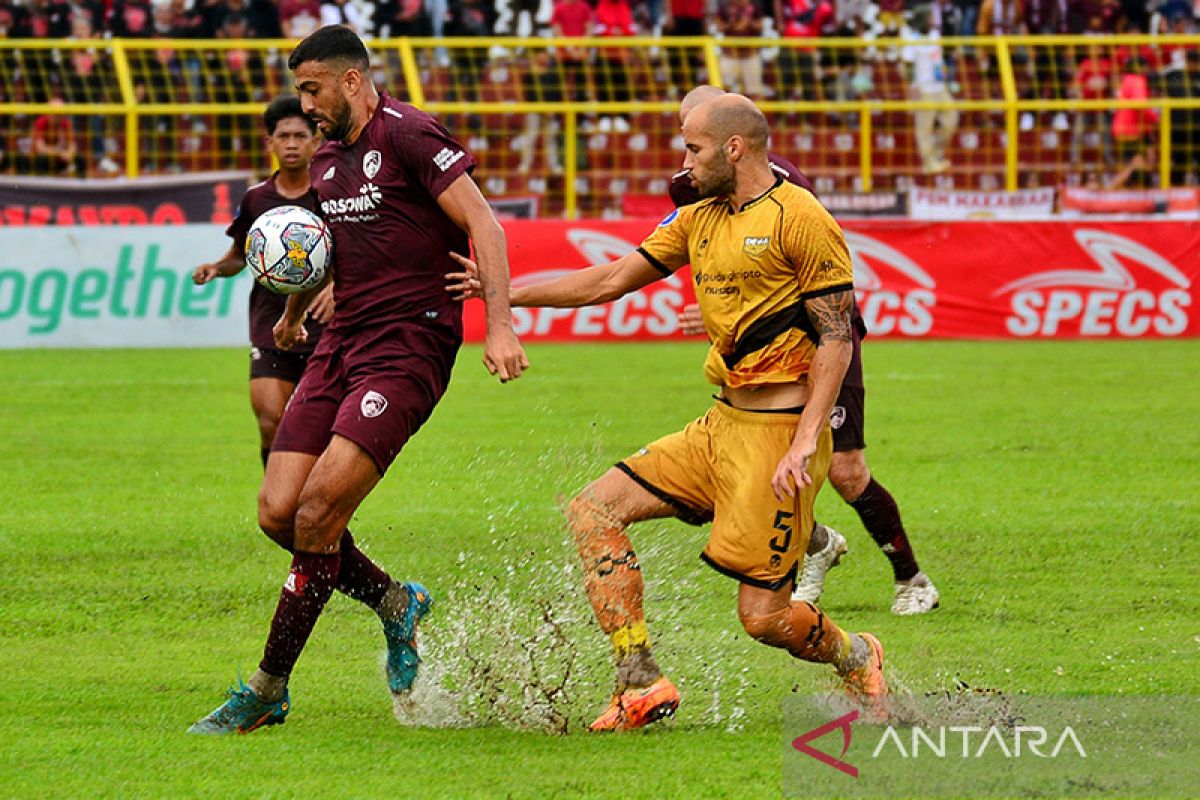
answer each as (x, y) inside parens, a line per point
(725, 186)
(342, 124)
(340, 129)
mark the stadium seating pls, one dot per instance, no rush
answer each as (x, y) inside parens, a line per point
(155, 106)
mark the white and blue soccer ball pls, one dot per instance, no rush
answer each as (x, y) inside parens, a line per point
(288, 249)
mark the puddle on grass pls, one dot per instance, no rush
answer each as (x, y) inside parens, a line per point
(513, 643)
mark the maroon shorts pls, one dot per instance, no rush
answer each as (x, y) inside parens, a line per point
(374, 386)
(848, 416)
(283, 365)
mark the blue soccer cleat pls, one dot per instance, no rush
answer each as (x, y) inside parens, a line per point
(243, 712)
(401, 634)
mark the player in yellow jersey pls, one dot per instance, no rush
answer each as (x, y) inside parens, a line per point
(849, 473)
(774, 280)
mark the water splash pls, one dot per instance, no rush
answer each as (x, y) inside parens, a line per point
(514, 644)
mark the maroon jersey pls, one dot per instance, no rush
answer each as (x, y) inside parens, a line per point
(391, 240)
(266, 307)
(683, 193)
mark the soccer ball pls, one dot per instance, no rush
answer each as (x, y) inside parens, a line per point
(288, 249)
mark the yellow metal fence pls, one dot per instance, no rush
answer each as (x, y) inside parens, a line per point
(586, 125)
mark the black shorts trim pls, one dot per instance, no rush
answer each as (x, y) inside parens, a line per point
(654, 262)
(792, 410)
(686, 513)
(740, 578)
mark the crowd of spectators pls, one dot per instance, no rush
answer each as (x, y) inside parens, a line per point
(207, 19)
(602, 74)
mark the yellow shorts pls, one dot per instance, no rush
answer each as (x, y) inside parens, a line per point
(720, 468)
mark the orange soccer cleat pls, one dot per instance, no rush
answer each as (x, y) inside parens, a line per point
(867, 684)
(635, 708)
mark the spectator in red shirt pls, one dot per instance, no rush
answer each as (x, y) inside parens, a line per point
(574, 18)
(53, 150)
(1133, 128)
(801, 19)
(614, 18)
(1094, 80)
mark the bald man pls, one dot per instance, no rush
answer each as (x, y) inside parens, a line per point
(913, 591)
(774, 281)
(683, 193)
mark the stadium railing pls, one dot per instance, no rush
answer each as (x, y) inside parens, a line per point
(588, 127)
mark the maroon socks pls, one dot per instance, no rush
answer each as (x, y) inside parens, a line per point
(305, 592)
(881, 517)
(360, 577)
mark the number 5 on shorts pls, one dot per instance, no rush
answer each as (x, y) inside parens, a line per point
(782, 524)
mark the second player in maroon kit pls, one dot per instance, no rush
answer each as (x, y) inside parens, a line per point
(914, 593)
(396, 191)
(292, 139)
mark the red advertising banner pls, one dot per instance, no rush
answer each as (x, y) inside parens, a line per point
(27, 202)
(1180, 200)
(955, 280)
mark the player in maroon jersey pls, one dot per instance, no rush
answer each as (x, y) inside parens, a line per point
(274, 373)
(914, 593)
(396, 190)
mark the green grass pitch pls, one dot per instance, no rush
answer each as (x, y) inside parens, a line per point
(1050, 490)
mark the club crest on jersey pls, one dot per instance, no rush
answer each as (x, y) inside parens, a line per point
(373, 404)
(372, 161)
(329, 173)
(756, 245)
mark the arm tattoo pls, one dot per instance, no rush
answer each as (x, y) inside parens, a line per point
(830, 315)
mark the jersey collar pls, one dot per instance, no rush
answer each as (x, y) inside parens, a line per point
(754, 201)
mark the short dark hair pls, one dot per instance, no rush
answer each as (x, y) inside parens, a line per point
(282, 108)
(331, 43)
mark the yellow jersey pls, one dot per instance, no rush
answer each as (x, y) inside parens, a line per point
(752, 269)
